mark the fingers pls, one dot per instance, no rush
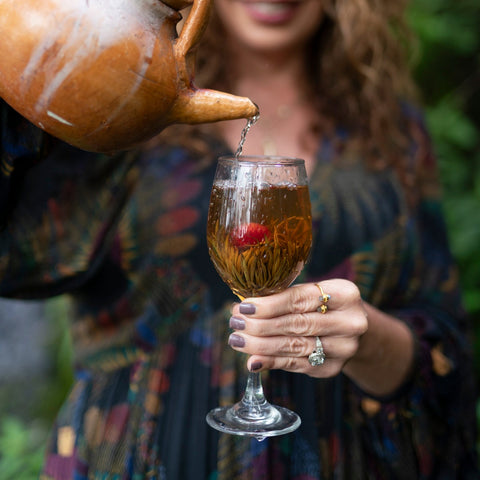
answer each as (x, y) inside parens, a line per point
(280, 331)
(259, 363)
(306, 324)
(299, 299)
(336, 357)
(302, 324)
(289, 348)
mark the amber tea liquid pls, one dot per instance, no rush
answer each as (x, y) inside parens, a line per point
(261, 245)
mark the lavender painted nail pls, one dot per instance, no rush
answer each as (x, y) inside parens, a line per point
(255, 366)
(247, 308)
(236, 341)
(237, 323)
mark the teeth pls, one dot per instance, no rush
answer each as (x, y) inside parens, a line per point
(271, 8)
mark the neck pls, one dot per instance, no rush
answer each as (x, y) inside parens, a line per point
(277, 84)
(265, 74)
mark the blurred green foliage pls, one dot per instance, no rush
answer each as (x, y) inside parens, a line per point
(21, 449)
(448, 74)
(23, 436)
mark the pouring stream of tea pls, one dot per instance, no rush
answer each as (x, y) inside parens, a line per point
(250, 122)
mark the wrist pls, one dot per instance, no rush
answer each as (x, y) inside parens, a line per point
(385, 354)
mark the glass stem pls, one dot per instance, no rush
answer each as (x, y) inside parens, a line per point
(253, 399)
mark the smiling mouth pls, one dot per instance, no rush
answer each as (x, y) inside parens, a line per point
(271, 12)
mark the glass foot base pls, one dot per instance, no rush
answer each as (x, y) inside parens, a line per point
(268, 421)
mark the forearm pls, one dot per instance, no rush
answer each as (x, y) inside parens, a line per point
(385, 355)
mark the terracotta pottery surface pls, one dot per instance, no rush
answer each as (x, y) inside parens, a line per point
(105, 75)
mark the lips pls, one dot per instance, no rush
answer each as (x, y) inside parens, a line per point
(273, 12)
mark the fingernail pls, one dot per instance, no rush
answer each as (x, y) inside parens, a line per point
(255, 366)
(247, 308)
(237, 323)
(236, 341)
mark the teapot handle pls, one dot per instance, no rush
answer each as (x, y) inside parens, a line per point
(193, 28)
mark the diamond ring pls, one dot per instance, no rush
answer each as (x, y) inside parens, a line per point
(317, 357)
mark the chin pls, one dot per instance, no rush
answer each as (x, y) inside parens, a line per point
(269, 29)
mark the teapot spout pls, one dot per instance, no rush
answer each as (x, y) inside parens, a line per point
(206, 106)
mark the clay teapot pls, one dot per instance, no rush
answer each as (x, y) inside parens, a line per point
(105, 75)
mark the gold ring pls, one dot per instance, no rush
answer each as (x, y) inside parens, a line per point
(324, 298)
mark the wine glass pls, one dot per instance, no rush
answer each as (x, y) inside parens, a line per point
(259, 235)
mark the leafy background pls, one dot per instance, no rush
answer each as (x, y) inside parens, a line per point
(448, 73)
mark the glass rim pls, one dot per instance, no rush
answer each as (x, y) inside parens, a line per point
(270, 160)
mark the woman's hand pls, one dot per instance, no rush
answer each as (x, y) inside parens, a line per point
(280, 332)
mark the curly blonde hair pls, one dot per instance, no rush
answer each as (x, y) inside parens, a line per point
(357, 63)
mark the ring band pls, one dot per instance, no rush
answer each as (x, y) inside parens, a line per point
(317, 357)
(324, 298)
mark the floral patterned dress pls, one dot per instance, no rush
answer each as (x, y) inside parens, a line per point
(123, 237)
